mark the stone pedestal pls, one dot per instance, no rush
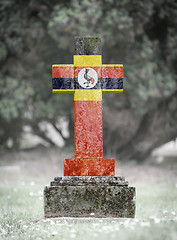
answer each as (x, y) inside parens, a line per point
(89, 197)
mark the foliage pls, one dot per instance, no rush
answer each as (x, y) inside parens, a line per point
(35, 34)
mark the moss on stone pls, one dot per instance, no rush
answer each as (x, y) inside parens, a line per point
(87, 46)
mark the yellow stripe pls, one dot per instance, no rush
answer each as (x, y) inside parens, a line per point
(88, 95)
(103, 65)
(112, 90)
(112, 65)
(63, 65)
(63, 90)
(87, 60)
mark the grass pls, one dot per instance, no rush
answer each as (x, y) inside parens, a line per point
(21, 216)
(21, 202)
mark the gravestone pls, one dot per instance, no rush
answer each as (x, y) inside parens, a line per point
(89, 187)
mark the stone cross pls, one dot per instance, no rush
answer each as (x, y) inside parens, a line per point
(87, 78)
(88, 187)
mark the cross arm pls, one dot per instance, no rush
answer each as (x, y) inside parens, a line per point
(106, 77)
(112, 77)
(63, 78)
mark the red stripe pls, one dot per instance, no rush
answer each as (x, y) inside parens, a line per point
(78, 69)
(88, 129)
(70, 72)
(112, 72)
(63, 72)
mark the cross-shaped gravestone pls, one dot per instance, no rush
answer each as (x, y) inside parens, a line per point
(88, 187)
(87, 78)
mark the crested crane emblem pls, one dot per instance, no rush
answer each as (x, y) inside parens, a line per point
(87, 77)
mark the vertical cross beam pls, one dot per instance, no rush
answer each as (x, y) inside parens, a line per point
(88, 78)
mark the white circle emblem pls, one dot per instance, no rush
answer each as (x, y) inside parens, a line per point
(87, 77)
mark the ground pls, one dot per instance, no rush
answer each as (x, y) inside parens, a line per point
(23, 176)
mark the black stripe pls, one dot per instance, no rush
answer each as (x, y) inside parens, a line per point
(63, 83)
(112, 83)
(97, 86)
(104, 83)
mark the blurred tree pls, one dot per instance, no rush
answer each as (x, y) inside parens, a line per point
(141, 35)
(26, 54)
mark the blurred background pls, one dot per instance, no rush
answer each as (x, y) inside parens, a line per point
(141, 35)
(37, 127)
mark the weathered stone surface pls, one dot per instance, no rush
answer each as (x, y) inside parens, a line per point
(88, 166)
(87, 46)
(91, 197)
(85, 181)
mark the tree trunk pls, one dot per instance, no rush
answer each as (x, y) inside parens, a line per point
(156, 127)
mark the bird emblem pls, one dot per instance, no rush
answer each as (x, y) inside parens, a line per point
(88, 78)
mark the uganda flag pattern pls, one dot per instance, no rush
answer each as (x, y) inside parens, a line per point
(68, 78)
(88, 78)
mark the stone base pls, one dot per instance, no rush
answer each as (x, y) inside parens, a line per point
(89, 197)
